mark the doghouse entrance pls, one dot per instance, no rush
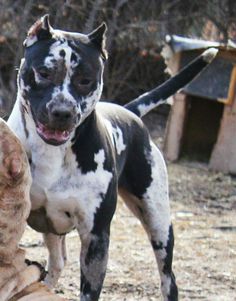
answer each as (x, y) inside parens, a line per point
(201, 128)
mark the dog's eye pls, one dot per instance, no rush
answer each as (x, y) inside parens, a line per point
(82, 84)
(85, 82)
(44, 73)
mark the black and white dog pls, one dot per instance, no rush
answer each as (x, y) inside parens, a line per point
(83, 152)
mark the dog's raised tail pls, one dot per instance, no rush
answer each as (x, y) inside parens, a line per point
(148, 101)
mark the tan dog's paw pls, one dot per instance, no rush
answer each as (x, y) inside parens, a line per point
(43, 272)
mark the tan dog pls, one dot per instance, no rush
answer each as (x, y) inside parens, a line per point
(18, 280)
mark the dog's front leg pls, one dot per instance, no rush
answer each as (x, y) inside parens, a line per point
(94, 231)
(57, 257)
(93, 263)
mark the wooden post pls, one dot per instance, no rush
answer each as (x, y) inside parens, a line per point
(223, 157)
(175, 127)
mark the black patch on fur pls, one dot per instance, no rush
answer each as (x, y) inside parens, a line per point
(73, 57)
(97, 248)
(104, 213)
(167, 269)
(62, 53)
(169, 251)
(43, 34)
(156, 246)
(136, 176)
(173, 295)
(84, 158)
(87, 142)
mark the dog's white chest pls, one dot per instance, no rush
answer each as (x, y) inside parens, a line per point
(69, 196)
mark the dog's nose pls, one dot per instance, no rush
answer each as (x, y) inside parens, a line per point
(61, 115)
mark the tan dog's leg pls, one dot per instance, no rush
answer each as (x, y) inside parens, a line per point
(37, 292)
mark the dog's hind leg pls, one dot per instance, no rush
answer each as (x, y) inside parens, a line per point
(57, 257)
(145, 191)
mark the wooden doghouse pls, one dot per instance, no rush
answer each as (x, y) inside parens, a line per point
(202, 121)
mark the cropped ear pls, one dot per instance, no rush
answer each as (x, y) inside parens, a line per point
(40, 30)
(98, 38)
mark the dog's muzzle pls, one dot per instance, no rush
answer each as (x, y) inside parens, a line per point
(62, 119)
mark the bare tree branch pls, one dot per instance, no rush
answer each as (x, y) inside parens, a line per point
(90, 23)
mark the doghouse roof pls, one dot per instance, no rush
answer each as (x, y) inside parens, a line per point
(216, 82)
(179, 44)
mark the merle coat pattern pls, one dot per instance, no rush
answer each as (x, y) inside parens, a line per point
(83, 151)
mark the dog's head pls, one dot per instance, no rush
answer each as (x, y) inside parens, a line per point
(60, 78)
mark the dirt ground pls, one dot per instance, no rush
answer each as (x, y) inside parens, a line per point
(203, 212)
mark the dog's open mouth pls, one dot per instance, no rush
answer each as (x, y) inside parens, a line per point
(52, 136)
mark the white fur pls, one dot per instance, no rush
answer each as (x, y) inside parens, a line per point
(16, 124)
(144, 109)
(23, 86)
(83, 190)
(55, 55)
(116, 136)
(66, 188)
(166, 285)
(157, 197)
(30, 40)
(75, 35)
(109, 130)
(157, 201)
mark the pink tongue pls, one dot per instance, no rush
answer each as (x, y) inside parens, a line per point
(57, 135)
(53, 134)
